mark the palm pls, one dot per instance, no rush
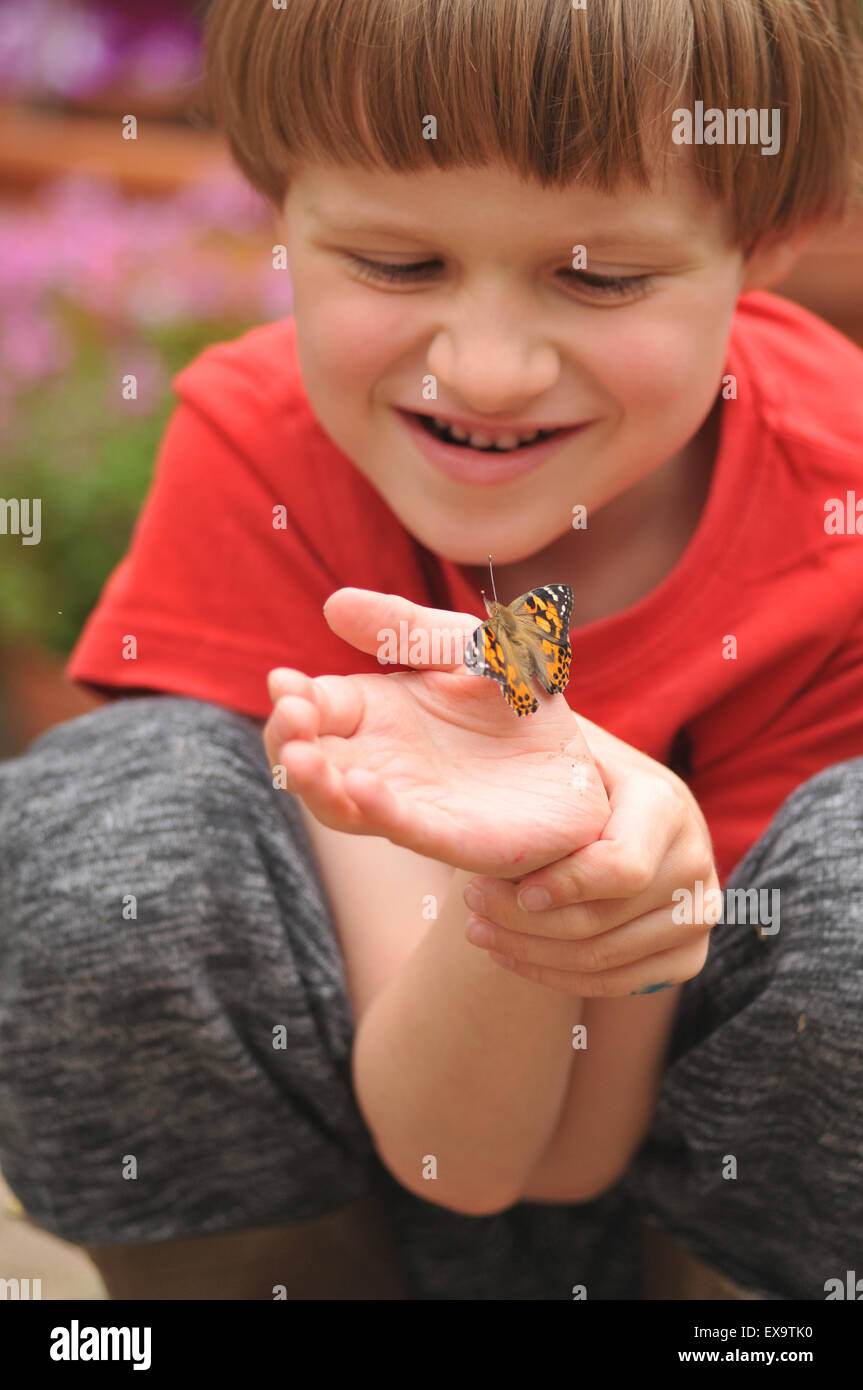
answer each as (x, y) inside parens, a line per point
(437, 762)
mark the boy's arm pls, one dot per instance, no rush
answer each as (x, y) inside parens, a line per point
(611, 1098)
(457, 1058)
(453, 1057)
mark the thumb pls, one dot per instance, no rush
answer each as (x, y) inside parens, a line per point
(399, 632)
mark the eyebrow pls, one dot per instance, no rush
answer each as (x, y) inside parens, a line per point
(641, 241)
(358, 224)
(625, 239)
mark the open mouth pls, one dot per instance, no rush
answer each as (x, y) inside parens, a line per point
(505, 444)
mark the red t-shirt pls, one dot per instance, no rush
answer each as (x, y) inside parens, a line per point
(217, 597)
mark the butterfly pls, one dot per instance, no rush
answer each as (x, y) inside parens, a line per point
(523, 640)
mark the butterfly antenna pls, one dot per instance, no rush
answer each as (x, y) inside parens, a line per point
(491, 572)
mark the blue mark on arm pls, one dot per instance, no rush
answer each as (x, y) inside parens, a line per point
(651, 989)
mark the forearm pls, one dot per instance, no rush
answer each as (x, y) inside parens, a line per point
(610, 1099)
(458, 1059)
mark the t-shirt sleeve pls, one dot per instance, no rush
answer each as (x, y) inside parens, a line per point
(228, 567)
(820, 726)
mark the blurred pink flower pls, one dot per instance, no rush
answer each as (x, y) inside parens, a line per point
(274, 291)
(223, 204)
(131, 265)
(32, 345)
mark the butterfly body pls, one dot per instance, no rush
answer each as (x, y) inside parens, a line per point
(522, 641)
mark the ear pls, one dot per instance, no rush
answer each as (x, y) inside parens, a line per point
(770, 262)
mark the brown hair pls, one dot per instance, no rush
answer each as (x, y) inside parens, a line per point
(556, 92)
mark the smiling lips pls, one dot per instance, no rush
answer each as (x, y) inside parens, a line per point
(467, 454)
(501, 441)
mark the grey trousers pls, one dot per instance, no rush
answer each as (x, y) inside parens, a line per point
(161, 920)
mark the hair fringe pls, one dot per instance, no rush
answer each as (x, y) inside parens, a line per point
(560, 94)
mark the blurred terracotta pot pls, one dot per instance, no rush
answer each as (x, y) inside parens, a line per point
(35, 695)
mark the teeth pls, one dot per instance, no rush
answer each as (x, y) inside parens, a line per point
(478, 439)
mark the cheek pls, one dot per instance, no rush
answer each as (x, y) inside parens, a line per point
(348, 334)
(657, 365)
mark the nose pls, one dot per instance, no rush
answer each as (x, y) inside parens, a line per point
(496, 363)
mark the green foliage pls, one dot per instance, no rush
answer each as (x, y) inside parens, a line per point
(89, 457)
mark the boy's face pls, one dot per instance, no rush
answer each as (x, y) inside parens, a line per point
(513, 337)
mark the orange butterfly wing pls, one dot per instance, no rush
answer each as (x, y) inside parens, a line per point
(542, 619)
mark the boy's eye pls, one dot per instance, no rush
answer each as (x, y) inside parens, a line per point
(379, 270)
(608, 286)
(611, 286)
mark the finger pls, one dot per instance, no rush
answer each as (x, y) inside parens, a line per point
(339, 700)
(624, 945)
(293, 717)
(287, 680)
(646, 819)
(404, 633)
(663, 971)
(500, 901)
(321, 785)
(315, 779)
(377, 802)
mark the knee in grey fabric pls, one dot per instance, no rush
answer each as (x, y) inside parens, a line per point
(175, 1030)
(755, 1158)
(150, 1037)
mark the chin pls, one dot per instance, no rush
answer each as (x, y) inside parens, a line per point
(472, 550)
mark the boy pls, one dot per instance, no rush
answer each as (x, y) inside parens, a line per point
(531, 248)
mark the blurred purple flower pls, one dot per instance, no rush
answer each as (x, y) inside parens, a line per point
(167, 56)
(45, 47)
(65, 49)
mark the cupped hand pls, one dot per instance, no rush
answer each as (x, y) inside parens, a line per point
(630, 913)
(433, 758)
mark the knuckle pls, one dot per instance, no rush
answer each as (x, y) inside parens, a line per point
(588, 920)
(524, 968)
(562, 984)
(561, 884)
(598, 986)
(697, 855)
(571, 885)
(593, 955)
(672, 788)
(594, 961)
(711, 916)
(707, 868)
(635, 874)
(692, 959)
(702, 952)
(675, 791)
(702, 873)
